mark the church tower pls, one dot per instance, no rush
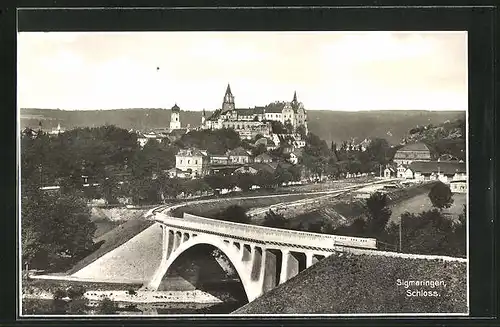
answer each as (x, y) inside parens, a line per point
(295, 103)
(175, 120)
(228, 102)
(203, 118)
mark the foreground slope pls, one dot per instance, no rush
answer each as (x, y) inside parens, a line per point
(135, 260)
(348, 283)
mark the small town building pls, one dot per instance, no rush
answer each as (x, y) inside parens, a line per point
(295, 156)
(390, 172)
(192, 162)
(219, 159)
(239, 156)
(56, 131)
(400, 171)
(247, 169)
(458, 186)
(444, 171)
(263, 158)
(175, 173)
(267, 142)
(412, 152)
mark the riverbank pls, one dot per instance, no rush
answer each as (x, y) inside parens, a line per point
(195, 296)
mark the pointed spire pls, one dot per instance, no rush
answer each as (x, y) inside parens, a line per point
(294, 96)
(204, 114)
(228, 90)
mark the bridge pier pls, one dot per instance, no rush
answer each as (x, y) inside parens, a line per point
(289, 266)
(311, 259)
(245, 254)
(268, 271)
(256, 262)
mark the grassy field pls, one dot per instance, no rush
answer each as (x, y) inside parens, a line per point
(342, 284)
(421, 202)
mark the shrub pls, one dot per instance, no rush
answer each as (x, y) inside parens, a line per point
(234, 213)
(131, 291)
(107, 306)
(441, 196)
(273, 219)
(59, 294)
(75, 292)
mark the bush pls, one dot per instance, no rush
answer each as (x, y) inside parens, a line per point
(77, 306)
(59, 294)
(429, 232)
(378, 213)
(75, 292)
(441, 196)
(131, 292)
(234, 213)
(107, 306)
(275, 220)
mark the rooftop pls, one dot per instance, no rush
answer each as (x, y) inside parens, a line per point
(239, 151)
(191, 152)
(415, 147)
(445, 167)
(176, 108)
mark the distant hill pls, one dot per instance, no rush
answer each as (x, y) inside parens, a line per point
(334, 126)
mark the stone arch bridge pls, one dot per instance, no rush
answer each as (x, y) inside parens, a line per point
(262, 256)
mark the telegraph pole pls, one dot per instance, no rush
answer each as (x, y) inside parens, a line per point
(400, 234)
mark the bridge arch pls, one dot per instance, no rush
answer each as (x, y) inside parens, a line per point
(229, 250)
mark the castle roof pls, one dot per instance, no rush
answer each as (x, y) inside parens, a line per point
(215, 115)
(250, 111)
(275, 107)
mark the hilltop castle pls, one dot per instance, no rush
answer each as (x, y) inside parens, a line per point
(249, 122)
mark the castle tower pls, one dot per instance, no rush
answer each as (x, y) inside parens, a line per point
(228, 102)
(175, 120)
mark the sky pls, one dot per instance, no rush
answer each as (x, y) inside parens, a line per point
(346, 71)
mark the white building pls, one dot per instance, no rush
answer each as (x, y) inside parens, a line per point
(239, 156)
(192, 162)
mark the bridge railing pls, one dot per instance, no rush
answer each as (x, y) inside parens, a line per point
(265, 234)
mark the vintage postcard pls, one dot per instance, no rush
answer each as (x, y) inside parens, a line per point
(243, 173)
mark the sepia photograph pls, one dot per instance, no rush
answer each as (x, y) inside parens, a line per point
(239, 174)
